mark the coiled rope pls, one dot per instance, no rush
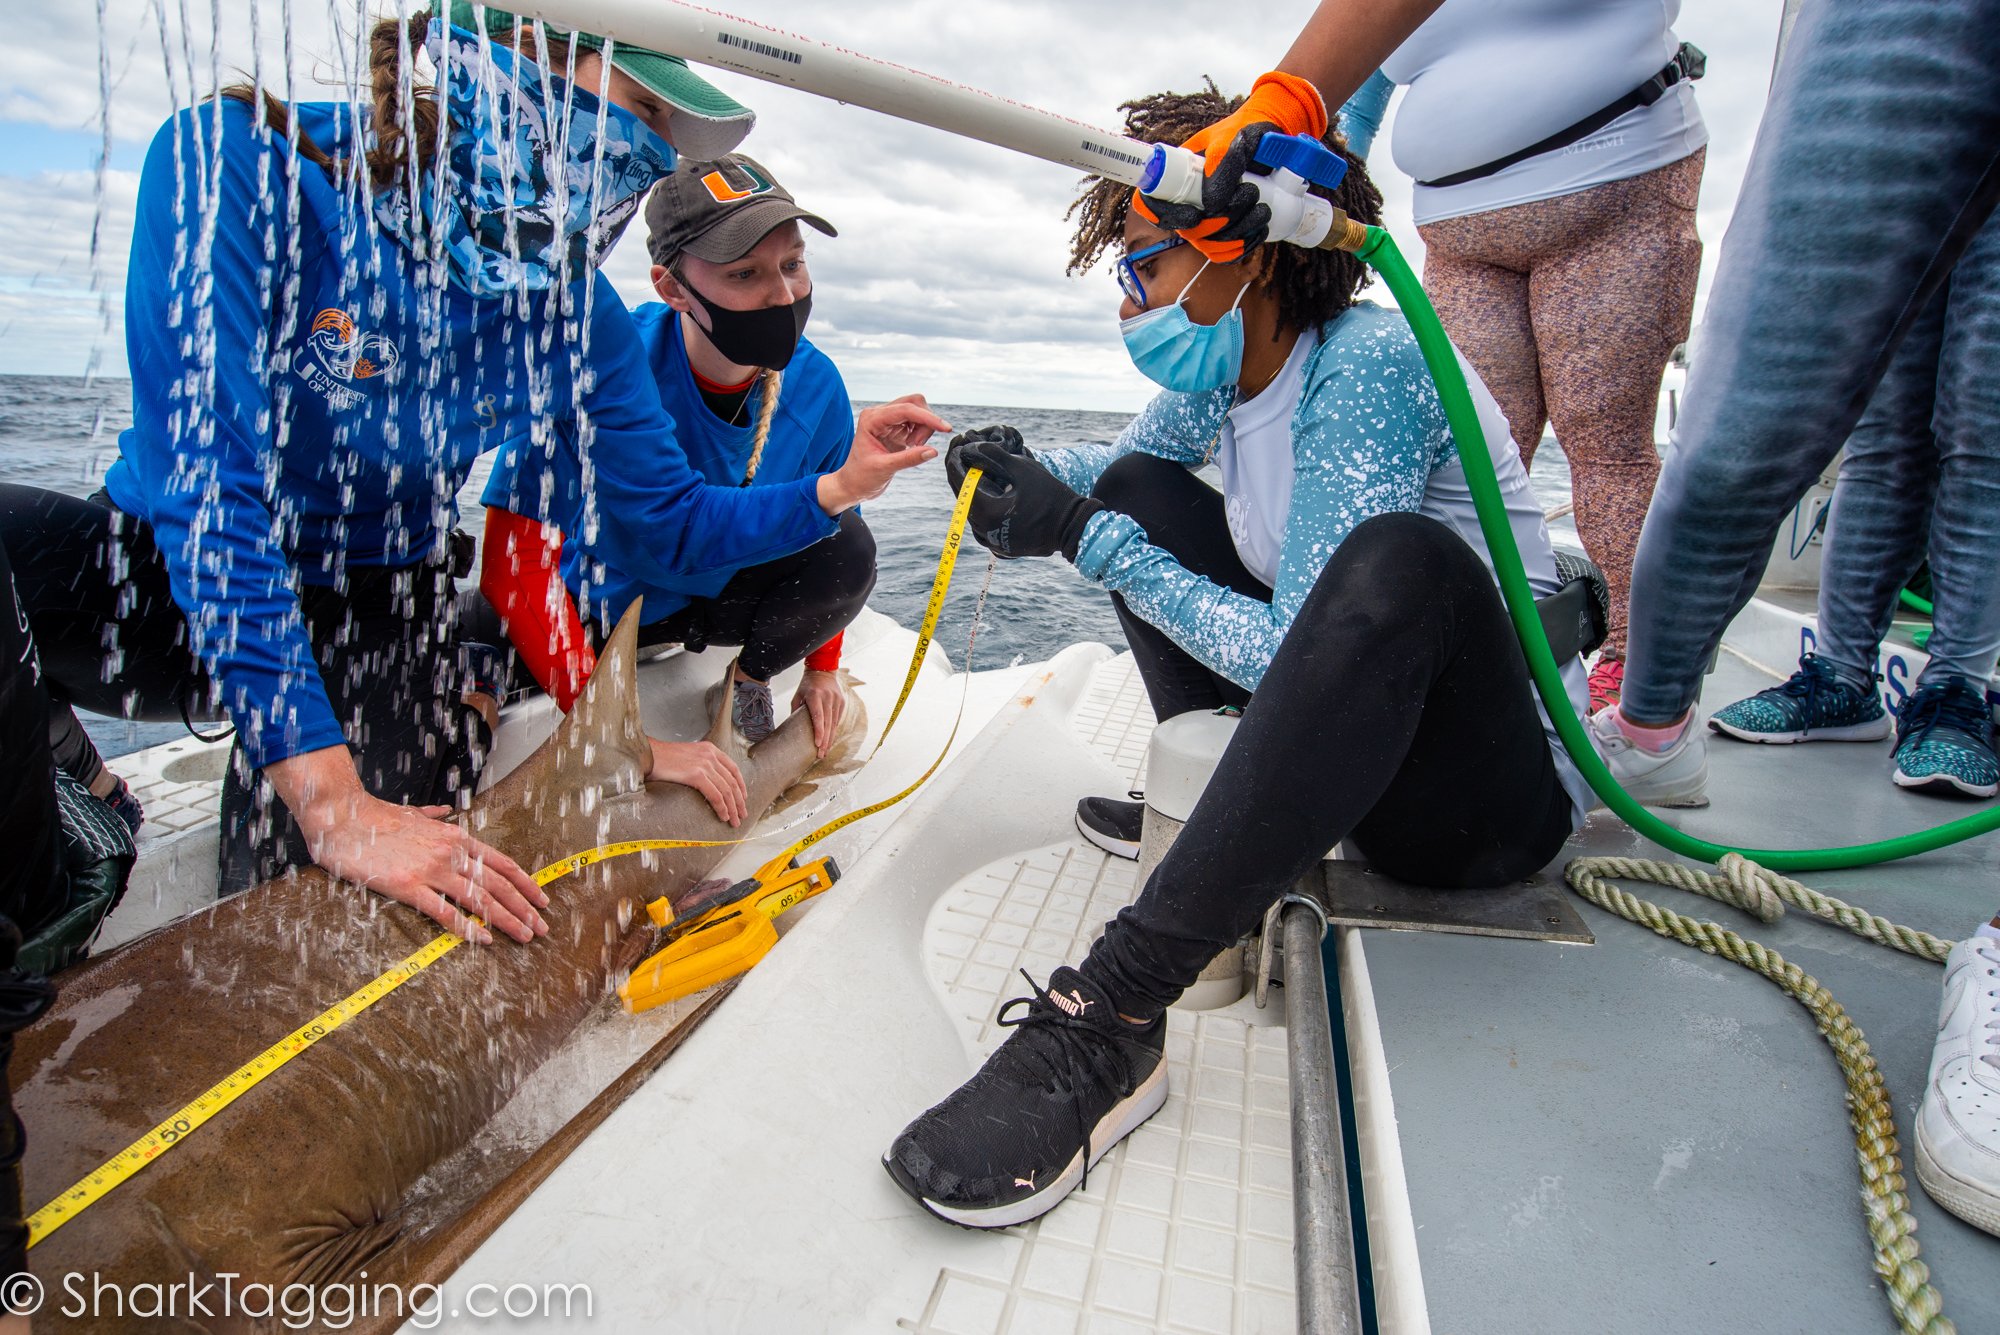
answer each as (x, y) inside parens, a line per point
(1742, 883)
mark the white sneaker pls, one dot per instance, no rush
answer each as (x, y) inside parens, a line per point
(1677, 777)
(1958, 1125)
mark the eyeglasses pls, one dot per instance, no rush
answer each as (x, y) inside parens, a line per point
(1128, 272)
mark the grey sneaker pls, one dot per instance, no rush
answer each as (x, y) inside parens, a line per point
(1677, 778)
(752, 712)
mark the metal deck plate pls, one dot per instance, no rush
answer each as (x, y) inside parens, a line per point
(1537, 909)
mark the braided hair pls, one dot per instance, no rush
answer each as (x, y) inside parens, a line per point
(1311, 286)
(767, 408)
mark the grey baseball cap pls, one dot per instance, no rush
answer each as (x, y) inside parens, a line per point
(719, 210)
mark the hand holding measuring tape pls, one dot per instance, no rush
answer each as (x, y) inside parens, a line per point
(1019, 508)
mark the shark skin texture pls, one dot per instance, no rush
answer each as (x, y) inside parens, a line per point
(303, 1179)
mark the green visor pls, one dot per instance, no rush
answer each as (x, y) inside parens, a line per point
(705, 122)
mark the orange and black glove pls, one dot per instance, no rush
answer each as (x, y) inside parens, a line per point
(1230, 219)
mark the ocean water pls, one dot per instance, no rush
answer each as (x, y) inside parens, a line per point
(62, 433)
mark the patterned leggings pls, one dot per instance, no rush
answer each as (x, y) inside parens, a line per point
(1568, 308)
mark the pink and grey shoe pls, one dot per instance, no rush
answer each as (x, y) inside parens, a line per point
(1607, 680)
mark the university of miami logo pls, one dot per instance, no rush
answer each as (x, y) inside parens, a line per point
(724, 191)
(342, 353)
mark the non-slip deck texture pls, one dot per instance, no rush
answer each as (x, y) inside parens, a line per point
(1186, 1226)
(1116, 719)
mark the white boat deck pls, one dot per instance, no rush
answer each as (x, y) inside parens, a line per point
(1626, 1136)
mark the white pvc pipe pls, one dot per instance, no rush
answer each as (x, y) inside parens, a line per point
(776, 56)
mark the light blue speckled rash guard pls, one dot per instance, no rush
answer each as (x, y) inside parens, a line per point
(1369, 437)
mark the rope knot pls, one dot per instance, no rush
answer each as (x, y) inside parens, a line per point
(1752, 888)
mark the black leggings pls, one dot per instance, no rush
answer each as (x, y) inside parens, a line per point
(33, 883)
(113, 641)
(784, 609)
(1182, 515)
(1399, 713)
(33, 887)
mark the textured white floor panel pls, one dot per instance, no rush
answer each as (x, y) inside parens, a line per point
(1115, 719)
(179, 784)
(1187, 1225)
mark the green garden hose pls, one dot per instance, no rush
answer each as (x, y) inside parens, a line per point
(1380, 253)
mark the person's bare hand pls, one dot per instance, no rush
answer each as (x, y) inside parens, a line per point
(703, 767)
(416, 857)
(888, 438)
(820, 695)
(901, 423)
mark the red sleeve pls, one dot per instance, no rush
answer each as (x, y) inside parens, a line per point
(520, 572)
(827, 657)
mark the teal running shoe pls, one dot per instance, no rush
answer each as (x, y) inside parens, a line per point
(1816, 705)
(1944, 741)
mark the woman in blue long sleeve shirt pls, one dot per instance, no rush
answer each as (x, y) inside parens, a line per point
(322, 340)
(1338, 587)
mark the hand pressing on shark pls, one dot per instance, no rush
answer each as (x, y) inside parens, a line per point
(704, 767)
(412, 855)
(821, 696)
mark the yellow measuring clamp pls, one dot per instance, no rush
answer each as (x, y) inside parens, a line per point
(781, 886)
(721, 939)
(725, 938)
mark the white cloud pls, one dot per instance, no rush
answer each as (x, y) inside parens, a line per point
(57, 309)
(947, 276)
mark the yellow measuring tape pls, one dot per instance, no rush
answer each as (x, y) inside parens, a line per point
(190, 1116)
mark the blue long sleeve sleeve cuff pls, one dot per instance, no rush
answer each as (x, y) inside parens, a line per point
(1360, 117)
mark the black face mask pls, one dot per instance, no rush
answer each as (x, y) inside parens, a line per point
(766, 337)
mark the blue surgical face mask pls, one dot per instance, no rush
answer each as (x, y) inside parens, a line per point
(528, 202)
(1174, 352)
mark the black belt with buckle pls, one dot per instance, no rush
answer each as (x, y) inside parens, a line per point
(1688, 64)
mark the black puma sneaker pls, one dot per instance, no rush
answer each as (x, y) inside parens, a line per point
(1010, 1143)
(1112, 825)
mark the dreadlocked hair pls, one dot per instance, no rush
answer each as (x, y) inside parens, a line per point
(406, 116)
(1311, 286)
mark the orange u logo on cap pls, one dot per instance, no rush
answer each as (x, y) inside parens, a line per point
(722, 192)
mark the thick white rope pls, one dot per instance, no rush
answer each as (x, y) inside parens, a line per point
(1917, 1305)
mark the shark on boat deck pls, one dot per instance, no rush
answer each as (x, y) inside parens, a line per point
(304, 1178)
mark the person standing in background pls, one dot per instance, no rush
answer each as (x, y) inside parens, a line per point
(1921, 474)
(1558, 217)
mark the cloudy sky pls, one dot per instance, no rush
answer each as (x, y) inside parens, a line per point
(947, 276)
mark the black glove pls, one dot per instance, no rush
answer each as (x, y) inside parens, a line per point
(1021, 508)
(1004, 438)
(1227, 196)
